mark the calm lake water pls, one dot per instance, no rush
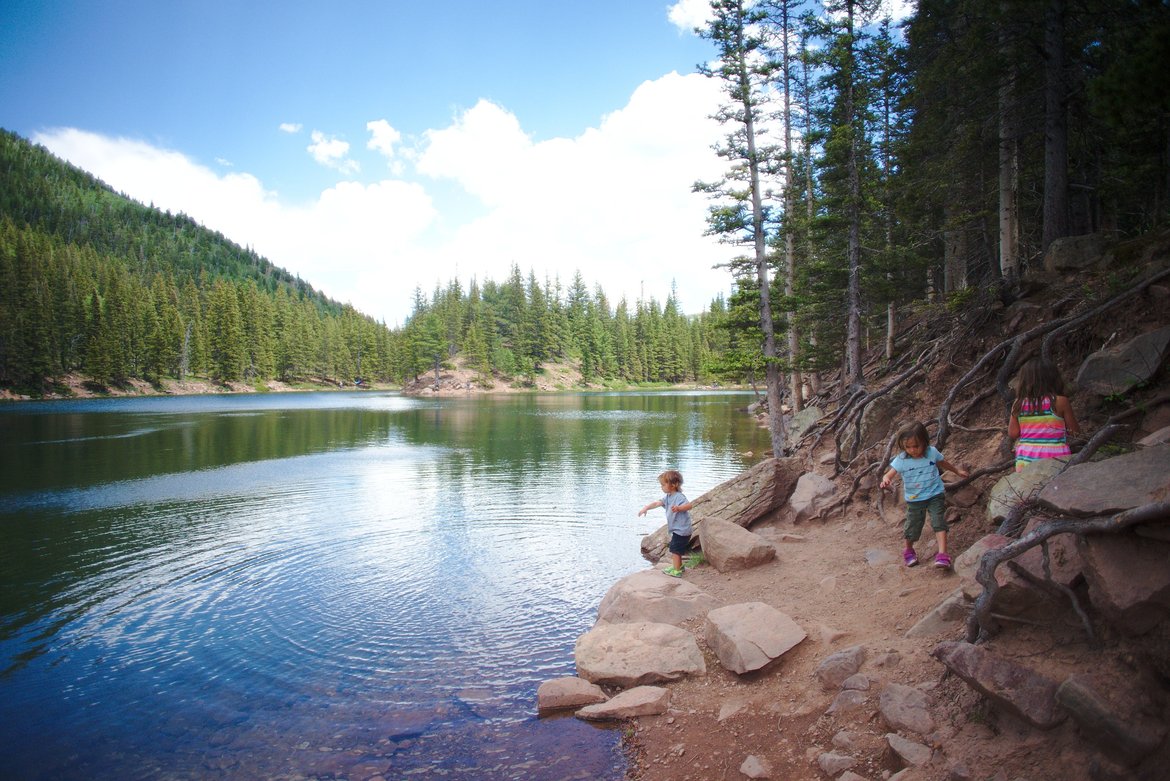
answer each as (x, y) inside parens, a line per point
(324, 584)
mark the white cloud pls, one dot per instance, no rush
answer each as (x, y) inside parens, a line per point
(613, 202)
(383, 137)
(899, 9)
(686, 15)
(332, 152)
(290, 127)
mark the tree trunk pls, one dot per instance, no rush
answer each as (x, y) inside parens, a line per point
(1009, 172)
(795, 381)
(1055, 127)
(776, 427)
(853, 378)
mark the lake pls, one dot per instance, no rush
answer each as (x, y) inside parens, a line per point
(305, 585)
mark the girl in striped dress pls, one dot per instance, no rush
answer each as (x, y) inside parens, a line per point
(1042, 417)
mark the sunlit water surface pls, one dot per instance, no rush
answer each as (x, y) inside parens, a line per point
(323, 584)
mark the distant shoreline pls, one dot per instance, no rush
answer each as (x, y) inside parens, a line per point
(79, 387)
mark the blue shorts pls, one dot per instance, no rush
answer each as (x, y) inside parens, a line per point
(680, 543)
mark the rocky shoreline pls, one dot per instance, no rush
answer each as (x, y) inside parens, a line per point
(745, 669)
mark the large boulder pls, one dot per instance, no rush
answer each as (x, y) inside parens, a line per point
(627, 655)
(801, 422)
(1117, 369)
(1110, 486)
(1065, 564)
(742, 500)
(1072, 253)
(751, 635)
(1026, 693)
(729, 547)
(651, 596)
(1129, 579)
(811, 493)
(1013, 489)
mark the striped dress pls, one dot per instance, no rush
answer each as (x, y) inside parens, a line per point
(1042, 433)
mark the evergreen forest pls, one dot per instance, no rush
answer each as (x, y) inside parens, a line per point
(871, 170)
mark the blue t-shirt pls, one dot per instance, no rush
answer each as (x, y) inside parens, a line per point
(676, 522)
(920, 476)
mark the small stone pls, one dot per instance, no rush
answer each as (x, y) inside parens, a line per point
(754, 767)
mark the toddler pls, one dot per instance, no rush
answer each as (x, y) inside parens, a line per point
(678, 518)
(921, 465)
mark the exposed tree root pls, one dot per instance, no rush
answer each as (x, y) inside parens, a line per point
(982, 625)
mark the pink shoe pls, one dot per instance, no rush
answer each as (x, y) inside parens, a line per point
(942, 561)
(909, 557)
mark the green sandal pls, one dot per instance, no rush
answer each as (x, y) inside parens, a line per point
(674, 573)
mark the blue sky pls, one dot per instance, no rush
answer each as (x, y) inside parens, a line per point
(376, 147)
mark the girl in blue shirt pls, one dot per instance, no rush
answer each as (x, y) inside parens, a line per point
(921, 465)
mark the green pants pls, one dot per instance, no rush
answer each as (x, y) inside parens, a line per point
(916, 516)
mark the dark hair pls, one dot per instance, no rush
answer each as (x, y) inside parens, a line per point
(671, 477)
(915, 431)
(1038, 380)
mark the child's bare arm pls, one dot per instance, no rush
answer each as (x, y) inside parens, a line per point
(1065, 410)
(888, 478)
(649, 507)
(948, 466)
(684, 507)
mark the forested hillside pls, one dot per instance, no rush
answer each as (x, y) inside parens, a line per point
(97, 284)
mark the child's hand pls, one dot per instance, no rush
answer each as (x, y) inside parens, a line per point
(641, 512)
(884, 484)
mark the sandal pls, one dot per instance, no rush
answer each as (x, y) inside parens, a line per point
(674, 573)
(909, 557)
(942, 561)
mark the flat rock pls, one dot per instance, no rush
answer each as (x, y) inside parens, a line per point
(906, 708)
(639, 701)
(648, 595)
(634, 654)
(912, 753)
(568, 692)
(1010, 686)
(729, 547)
(1110, 486)
(750, 635)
